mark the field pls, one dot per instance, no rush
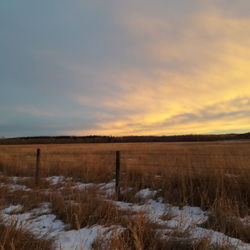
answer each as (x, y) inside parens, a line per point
(192, 195)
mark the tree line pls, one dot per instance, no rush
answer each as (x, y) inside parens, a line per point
(120, 139)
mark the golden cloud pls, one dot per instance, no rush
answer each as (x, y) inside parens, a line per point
(198, 82)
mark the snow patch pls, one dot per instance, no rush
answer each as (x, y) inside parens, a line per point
(34, 221)
(218, 238)
(12, 209)
(185, 218)
(16, 187)
(41, 222)
(146, 193)
(83, 238)
(48, 226)
(108, 188)
(83, 186)
(246, 220)
(55, 180)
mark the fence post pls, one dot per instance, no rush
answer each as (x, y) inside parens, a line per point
(37, 172)
(117, 175)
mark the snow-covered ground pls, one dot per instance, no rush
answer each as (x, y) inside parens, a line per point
(41, 221)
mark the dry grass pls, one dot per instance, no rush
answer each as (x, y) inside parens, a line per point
(14, 238)
(143, 234)
(223, 217)
(28, 199)
(212, 175)
(84, 208)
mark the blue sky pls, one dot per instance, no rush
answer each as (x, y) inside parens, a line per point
(124, 67)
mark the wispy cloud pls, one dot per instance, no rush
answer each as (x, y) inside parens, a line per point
(131, 67)
(32, 111)
(197, 82)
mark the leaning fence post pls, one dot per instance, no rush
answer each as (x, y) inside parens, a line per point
(37, 172)
(117, 175)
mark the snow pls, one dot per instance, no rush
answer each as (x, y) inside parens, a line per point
(246, 220)
(158, 176)
(44, 209)
(218, 238)
(108, 188)
(12, 209)
(181, 218)
(186, 218)
(15, 187)
(15, 179)
(232, 175)
(47, 225)
(80, 239)
(83, 186)
(41, 222)
(36, 221)
(146, 193)
(55, 180)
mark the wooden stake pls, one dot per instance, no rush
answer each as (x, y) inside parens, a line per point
(117, 175)
(37, 172)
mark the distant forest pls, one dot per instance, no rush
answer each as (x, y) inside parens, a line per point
(123, 139)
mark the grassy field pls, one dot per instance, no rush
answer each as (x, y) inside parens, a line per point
(213, 176)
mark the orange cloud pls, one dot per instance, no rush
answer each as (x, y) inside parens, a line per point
(204, 72)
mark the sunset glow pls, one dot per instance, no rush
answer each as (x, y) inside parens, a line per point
(125, 68)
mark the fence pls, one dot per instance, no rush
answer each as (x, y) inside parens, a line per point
(117, 171)
(156, 155)
(203, 159)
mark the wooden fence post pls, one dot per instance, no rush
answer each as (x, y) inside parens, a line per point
(117, 175)
(37, 172)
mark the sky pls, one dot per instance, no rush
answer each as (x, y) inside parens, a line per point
(115, 67)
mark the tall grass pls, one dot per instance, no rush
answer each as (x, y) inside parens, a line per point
(212, 175)
(15, 238)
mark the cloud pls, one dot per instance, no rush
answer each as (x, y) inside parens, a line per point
(224, 116)
(204, 65)
(129, 67)
(32, 111)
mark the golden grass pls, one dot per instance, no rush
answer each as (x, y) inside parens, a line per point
(212, 175)
(15, 238)
(142, 234)
(84, 208)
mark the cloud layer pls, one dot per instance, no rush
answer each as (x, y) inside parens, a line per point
(126, 67)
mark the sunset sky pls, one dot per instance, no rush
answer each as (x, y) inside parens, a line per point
(116, 67)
